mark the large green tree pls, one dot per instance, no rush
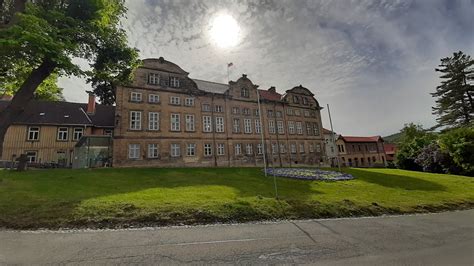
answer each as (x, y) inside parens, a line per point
(46, 35)
(454, 103)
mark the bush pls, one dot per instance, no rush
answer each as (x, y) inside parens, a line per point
(459, 144)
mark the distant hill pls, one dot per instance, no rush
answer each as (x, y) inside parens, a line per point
(394, 138)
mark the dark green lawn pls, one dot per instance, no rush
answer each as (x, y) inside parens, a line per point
(123, 197)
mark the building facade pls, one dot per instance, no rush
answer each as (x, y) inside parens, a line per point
(165, 118)
(48, 131)
(330, 147)
(361, 151)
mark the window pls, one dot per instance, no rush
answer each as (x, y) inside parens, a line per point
(282, 148)
(257, 112)
(153, 79)
(244, 92)
(258, 126)
(271, 126)
(220, 149)
(316, 129)
(175, 150)
(153, 98)
(296, 99)
(153, 150)
(218, 109)
(153, 121)
(206, 124)
(135, 96)
(62, 133)
(293, 148)
(219, 124)
(308, 129)
(235, 110)
(248, 149)
(289, 111)
(206, 107)
(191, 149)
(297, 112)
(274, 148)
(32, 156)
(270, 113)
(175, 122)
(207, 149)
(259, 148)
(108, 132)
(247, 126)
(77, 133)
(306, 113)
(174, 100)
(133, 151)
(236, 125)
(246, 111)
(280, 127)
(301, 147)
(278, 114)
(305, 101)
(238, 149)
(311, 148)
(189, 101)
(291, 127)
(299, 128)
(190, 125)
(135, 120)
(174, 82)
(318, 147)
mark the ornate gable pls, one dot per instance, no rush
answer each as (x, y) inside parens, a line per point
(300, 90)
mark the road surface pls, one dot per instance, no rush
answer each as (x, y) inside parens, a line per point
(432, 239)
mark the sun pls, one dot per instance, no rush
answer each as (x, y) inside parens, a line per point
(225, 31)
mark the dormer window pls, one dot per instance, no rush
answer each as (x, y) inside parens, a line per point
(153, 79)
(244, 92)
(305, 101)
(296, 99)
(174, 82)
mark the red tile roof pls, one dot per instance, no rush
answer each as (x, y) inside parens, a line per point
(361, 139)
(269, 95)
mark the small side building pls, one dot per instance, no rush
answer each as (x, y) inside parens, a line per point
(330, 146)
(361, 151)
(47, 131)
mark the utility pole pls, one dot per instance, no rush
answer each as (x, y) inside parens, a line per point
(334, 139)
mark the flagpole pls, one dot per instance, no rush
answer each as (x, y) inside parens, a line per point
(333, 139)
(261, 134)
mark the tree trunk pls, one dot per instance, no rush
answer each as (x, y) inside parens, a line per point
(22, 98)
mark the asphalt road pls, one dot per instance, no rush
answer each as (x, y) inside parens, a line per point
(433, 239)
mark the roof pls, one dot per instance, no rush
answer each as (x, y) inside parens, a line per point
(389, 148)
(361, 139)
(162, 64)
(270, 95)
(212, 87)
(63, 113)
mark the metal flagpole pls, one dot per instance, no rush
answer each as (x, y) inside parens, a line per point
(333, 139)
(261, 134)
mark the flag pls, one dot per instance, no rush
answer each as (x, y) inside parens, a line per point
(230, 64)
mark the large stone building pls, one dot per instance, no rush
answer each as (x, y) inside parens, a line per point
(165, 118)
(48, 131)
(361, 151)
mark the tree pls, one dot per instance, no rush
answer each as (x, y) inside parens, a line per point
(459, 144)
(414, 139)
(12, 78)
(47, 34)
(454, 103)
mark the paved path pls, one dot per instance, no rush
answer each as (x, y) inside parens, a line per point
(433, 239)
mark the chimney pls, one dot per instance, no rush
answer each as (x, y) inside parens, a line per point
(244, 75)
(91, 104)
(272, 89)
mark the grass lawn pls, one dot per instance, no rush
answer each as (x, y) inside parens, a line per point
(126, 197)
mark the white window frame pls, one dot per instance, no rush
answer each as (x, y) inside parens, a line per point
(33, 133)
(311, 147)
(280, 127)
(135, 120)
(174, 82)
(219, 124)
(297, 112)
(206, 107)
(135, 96)
(293, 148)
(153, 98)
(190, 122)
(271, 126)
(189, 101)
(206, 123)
(235, 110)
(316, 129)
(282, 148)
(247, 126)
(220, 149)
(133, 151)
(207, 149)
(236, 125)
(259, 148)
(63, 134)
(191, 149)
(175, 122)
(249, 149)
(238, 149)
(175, 150)
(32, 156)
(291, 127)
(153, 78)
(153, 151)
(77, 133)
(302, 150)
(299, 128)
(218, 108)
(154, 121)
(175, 100)
(258, 126)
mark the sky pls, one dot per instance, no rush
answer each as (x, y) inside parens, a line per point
(372, 61)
